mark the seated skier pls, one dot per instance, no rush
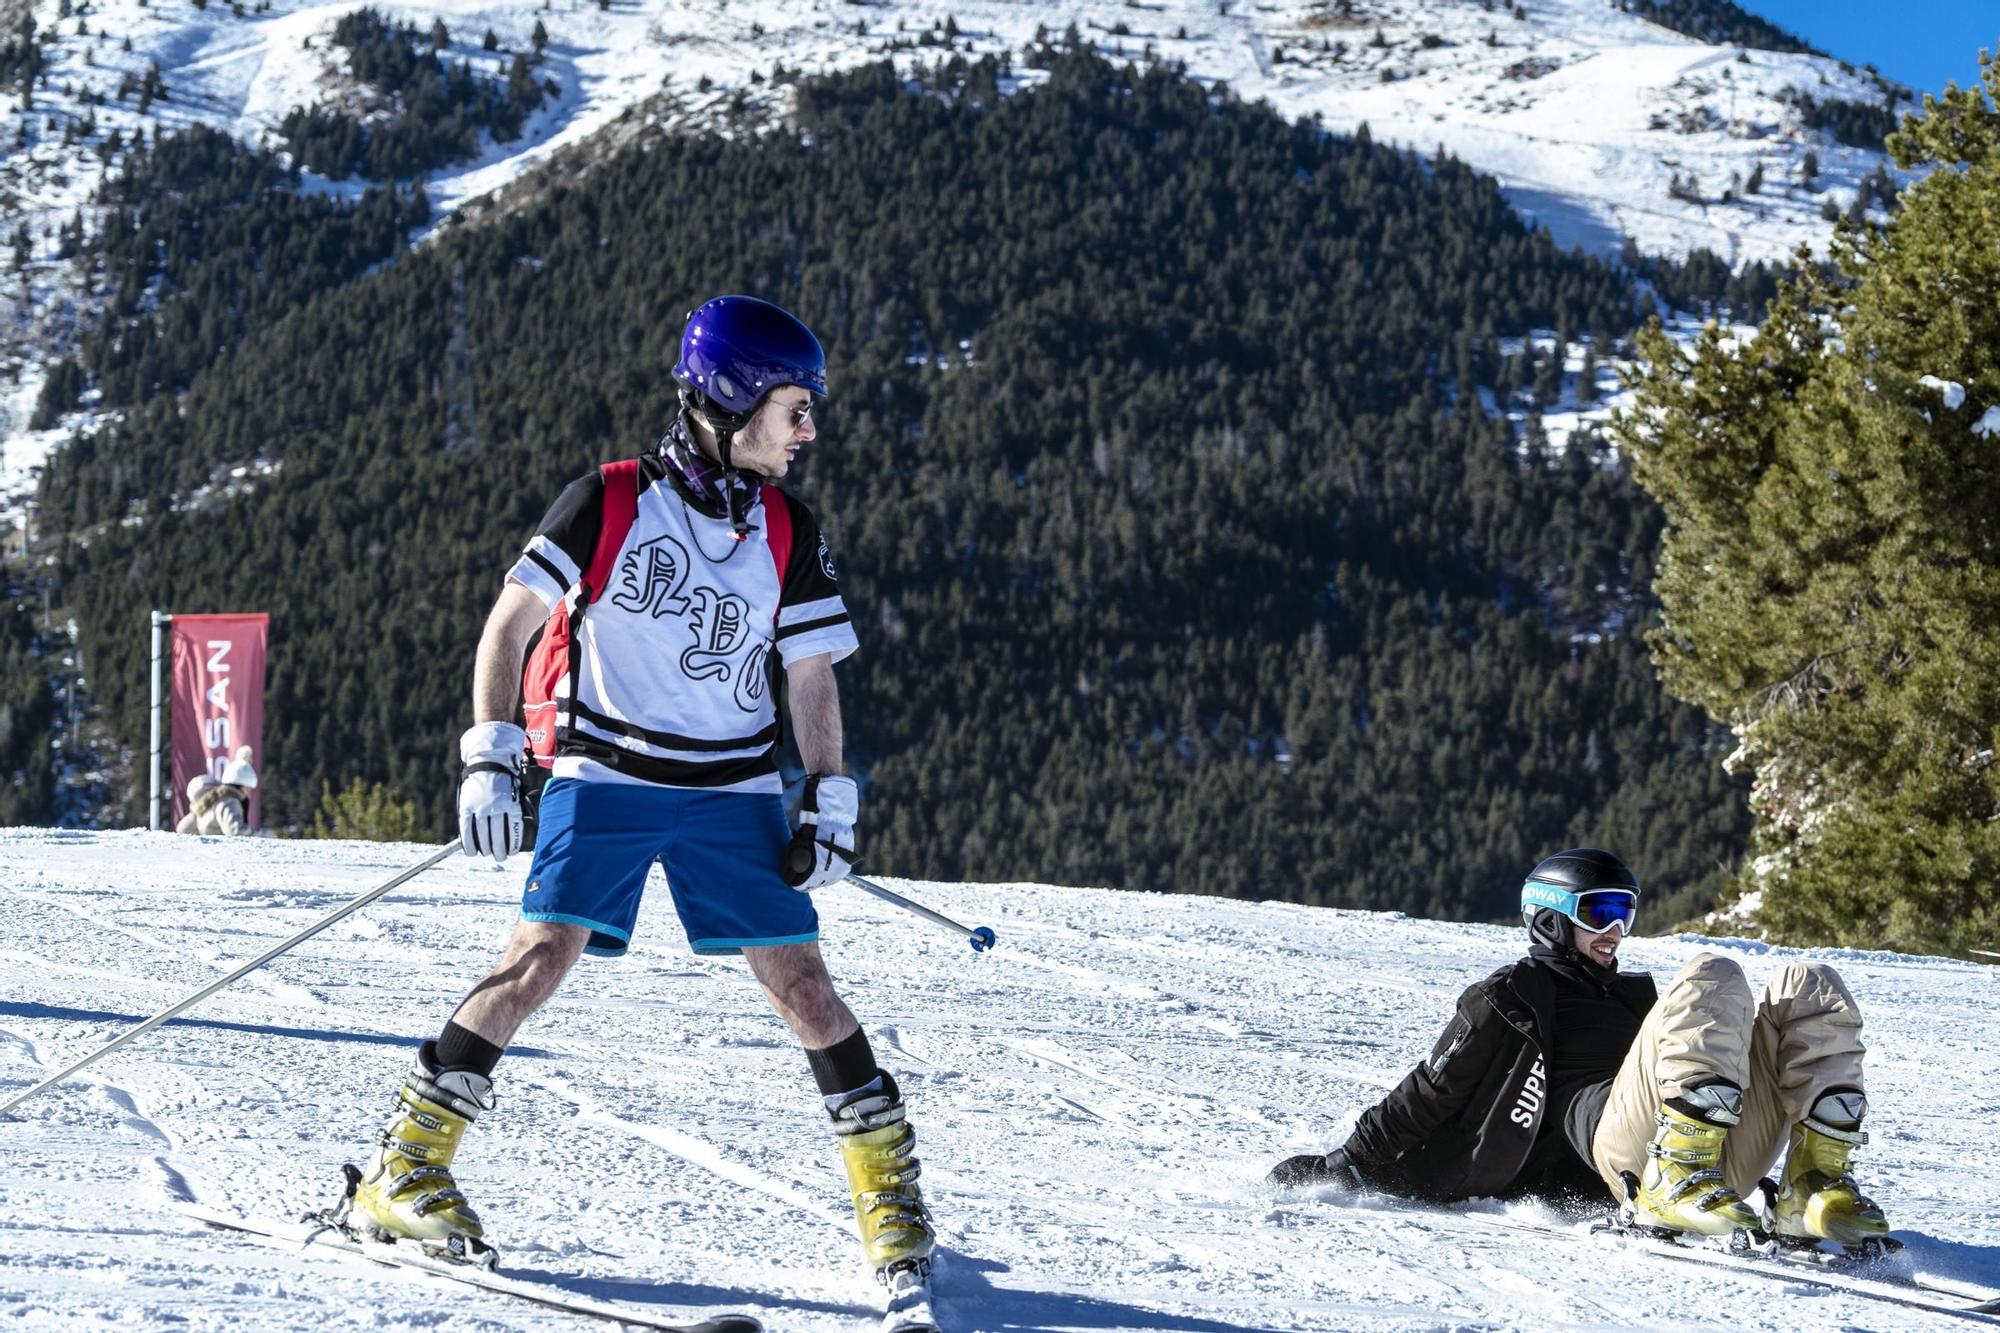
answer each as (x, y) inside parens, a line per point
(219, 807)
(1559, 1075)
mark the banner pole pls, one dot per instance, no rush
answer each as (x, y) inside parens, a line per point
(153, 805)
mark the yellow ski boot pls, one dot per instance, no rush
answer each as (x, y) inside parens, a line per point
(876, 1143)
(1817, 1198)
(1683, 1188)
(407, 1190)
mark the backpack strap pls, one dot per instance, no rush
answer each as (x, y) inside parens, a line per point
(778, 530)
(552, 651)
(621, 507)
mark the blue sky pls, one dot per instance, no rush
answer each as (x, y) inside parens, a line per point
(1921, 43)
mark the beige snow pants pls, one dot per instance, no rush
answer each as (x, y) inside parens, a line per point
(1802, 1038)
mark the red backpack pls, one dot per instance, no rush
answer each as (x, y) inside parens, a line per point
(548, 656)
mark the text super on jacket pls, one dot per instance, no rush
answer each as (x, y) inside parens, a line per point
(1465, 1122)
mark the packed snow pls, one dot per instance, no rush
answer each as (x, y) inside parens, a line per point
(1096, 1102)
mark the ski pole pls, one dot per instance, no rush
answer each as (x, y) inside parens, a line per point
(980, 938)
(191, 1001)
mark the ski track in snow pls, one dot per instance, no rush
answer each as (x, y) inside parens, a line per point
(1095, 1102)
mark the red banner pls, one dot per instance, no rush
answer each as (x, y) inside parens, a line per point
(218, 694)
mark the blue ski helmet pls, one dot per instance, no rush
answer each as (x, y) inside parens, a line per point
(1558, 891)
(736, 349)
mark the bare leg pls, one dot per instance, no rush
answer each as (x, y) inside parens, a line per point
(538, 957)
(408, 1189)
(876, 1142)
(795, 980)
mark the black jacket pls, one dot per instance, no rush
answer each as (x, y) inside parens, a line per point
(1463, 1122)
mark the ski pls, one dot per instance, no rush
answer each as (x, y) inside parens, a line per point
(336, 1240)
(1825, 1271)
(1868, 1256)
(908, 1308)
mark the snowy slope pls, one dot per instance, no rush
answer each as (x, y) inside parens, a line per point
(1096, 1102)
(1584, 113)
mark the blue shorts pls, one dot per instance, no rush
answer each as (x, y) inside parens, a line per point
(721, 851)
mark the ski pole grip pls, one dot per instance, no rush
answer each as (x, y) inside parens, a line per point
(799, 856)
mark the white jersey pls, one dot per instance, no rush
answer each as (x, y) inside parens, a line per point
(671, 668)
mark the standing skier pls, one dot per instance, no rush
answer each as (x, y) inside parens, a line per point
(665, 737)
(1558, 1075)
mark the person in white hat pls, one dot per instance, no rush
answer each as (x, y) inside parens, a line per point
(220, 807)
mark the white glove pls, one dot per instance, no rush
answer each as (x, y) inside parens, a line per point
(489, 795)
(822, 849)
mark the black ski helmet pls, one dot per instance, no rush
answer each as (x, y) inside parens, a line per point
(1579, 870)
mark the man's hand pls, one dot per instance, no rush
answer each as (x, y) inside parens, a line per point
(1311, 1169)
(822, 849)
(489, 795)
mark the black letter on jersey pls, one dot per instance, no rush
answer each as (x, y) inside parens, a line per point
(721, 626)
(650, 578)
(754, 680)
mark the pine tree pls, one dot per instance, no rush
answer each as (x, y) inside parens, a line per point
(368, 811)
(1831, 570)
(1377, 564)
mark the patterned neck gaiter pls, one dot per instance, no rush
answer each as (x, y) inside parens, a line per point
(704, 482)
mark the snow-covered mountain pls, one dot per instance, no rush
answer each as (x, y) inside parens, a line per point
(1096, 1101)
(1600, 125)
(1585, 112)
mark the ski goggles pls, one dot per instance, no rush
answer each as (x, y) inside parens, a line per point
(1596, 910)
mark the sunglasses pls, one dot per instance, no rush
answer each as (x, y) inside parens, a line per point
(1596, 910)
(801, 414)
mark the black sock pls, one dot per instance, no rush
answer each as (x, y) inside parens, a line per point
(843, 1066)
(462, 1048)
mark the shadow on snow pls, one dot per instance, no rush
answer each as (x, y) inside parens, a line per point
(62, 1013)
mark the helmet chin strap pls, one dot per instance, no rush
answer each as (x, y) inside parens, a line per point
(732, 495)
(1552, 928)
(724, 425)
